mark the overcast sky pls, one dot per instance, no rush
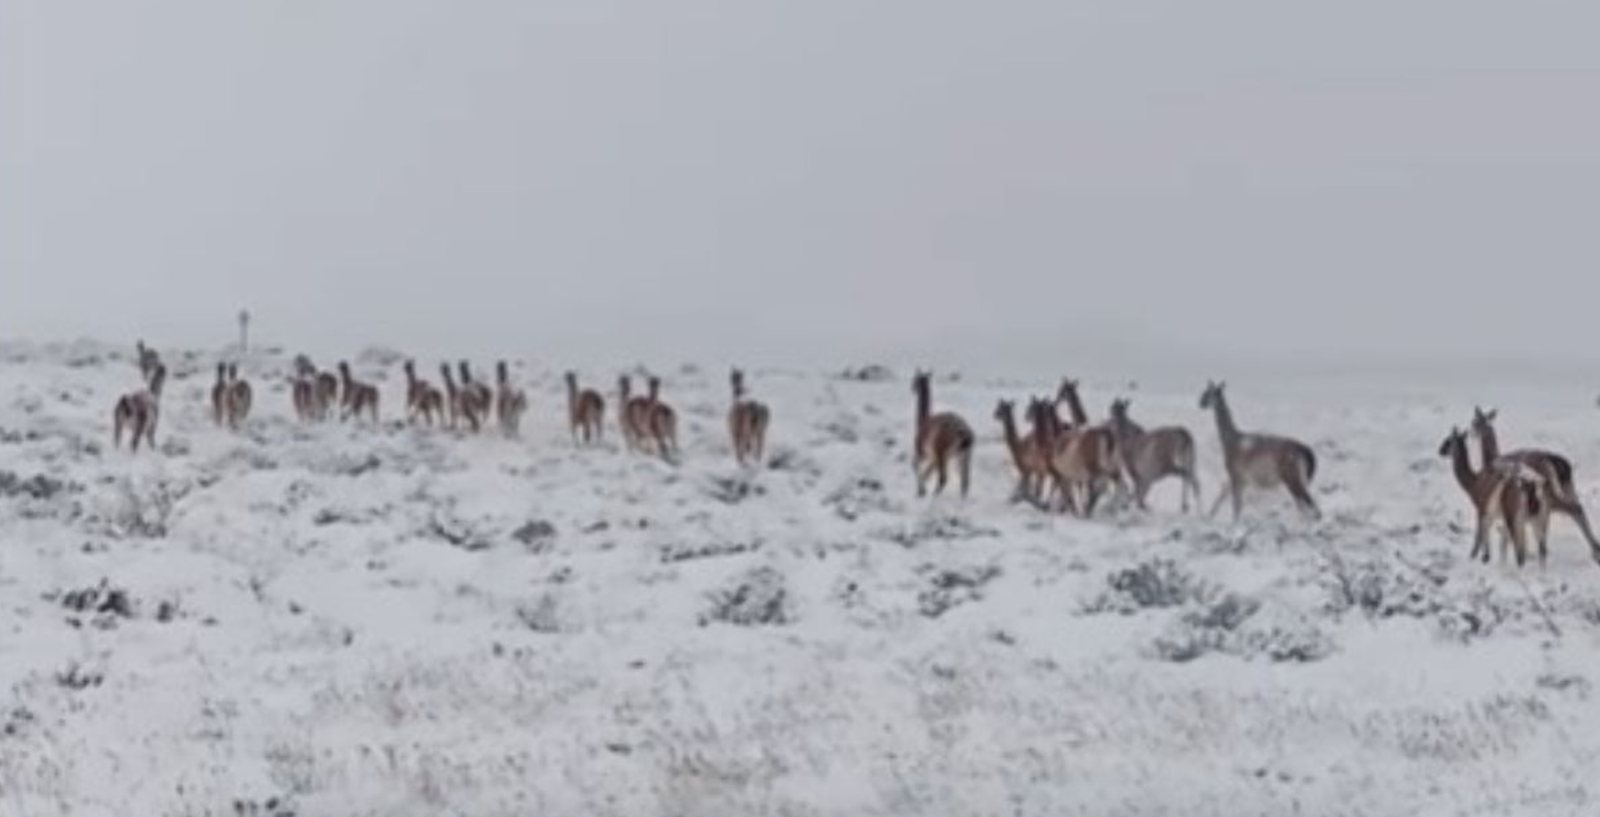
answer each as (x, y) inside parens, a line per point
(817, 180)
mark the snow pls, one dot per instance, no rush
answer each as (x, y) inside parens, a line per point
(344, 620)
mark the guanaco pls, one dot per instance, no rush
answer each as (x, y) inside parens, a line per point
(1500, 491)
(359, 398)
(460, 409)
(423, 399)
(586, 411)
(139, 411)
(1554, 468)
(303, 389)
(475, 396)
(510, 402)
(661, 423)
(1026, 453)
(937, 439)
(1068, 393)
(633, 415)
(325, 388)
(1259, 460)
(1076, 458)
(747, 423)
(239, 398)
(219, 396)
(1151, 456)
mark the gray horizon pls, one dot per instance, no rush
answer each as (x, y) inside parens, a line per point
(1168, 182)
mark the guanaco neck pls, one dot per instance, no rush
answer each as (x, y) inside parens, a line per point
(1226, 430)
(1008, 422)
(924, 406)
(1462, 466)
(1489, 443)
(1069, 394)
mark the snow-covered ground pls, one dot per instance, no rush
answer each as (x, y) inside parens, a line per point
(338, 620)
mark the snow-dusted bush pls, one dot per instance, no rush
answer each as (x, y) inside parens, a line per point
(757, 597)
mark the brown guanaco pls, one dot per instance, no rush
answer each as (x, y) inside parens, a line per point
(1503, 491)
(423, 399)
(938, 439)
(238, 398)
(1077, 459)
(1068, 393)
(359, 398)
(747, 423)
(1254, 460)
(661, 423)
(586, 411)
(139, 411)
(633, 415)
(1026, 454)
(475, 397)
(1554, 468)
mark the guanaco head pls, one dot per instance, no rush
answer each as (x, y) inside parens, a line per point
(466, 372)
(158, 378)
(921, 381)
(233, 371)
(1005, 411)
(222, 372)
(1483, 421)
(1119, 409)
(444, 372)
(1068, 390)
(655, 387)
(1042, 415)
(1212, 396)
(736, 379)
(410, 368)
(344, 370)
(1453, 442)
(624, 386)
(572, 380)
(502, 372)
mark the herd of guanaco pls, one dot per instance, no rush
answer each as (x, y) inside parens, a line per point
(649, 424)
(1069, 462)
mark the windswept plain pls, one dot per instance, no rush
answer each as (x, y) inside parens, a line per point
(336, 619)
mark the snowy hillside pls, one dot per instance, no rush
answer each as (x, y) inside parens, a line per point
(340, 620)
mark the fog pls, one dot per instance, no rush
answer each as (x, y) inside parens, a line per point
(807, 181)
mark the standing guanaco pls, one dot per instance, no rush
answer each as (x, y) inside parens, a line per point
(1068, 393)
(586, 411)
(459, 409)
(1151, 456)
(219, 396)
(1554, 468)
(510, 402)
(239, 397)
(139, 411)
(1499, 491)
(937, 439)
(633, 415)
(475, 396)
(423, 399)
(662, 423)
(1026, 454)
(1076, 459)
(359, 398)
(1259, 460)
(747, 423)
